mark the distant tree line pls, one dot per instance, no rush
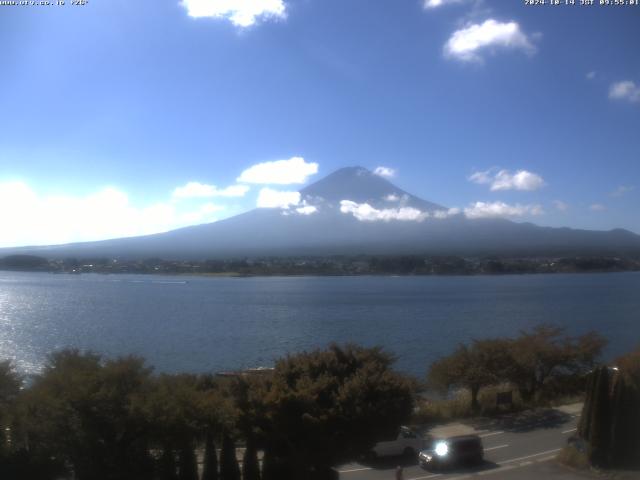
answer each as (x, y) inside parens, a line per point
(330, 265)
(92, 418)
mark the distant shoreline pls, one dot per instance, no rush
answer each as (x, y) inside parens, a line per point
(317, 275)
(389, 265)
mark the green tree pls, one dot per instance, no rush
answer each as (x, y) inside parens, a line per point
(626, 413)
(218, 414)
(10, 383)
(172, 408)
(610, 420)
(210, 467)
(79, 410)
(269, 471)
(472, 367)
(187, 463)
(329, 406)
(229, 468)
(251, 419)
(546, 351)
(597, 426)
(629, 365)
(250, 465)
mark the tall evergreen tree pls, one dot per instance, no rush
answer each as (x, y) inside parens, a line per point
(269, 471)
(610, 421)
(168, 469)
(210, 467)
(229, 468)
(584, 424)
(625, 446)
(250, 466)
(600, 421)
(187, 463)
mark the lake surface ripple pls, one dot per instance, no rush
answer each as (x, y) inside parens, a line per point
(204, 324)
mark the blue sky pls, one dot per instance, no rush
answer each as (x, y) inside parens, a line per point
(129, 117)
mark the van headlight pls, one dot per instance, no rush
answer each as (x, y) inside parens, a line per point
(442, 449)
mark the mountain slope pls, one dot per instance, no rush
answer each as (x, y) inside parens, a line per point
(352, 211)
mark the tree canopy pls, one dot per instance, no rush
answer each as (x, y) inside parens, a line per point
(329, 406)
(528, 361)
(480, 364)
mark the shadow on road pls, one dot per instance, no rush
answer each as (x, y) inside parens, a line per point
(390, 463)
(523, 421)
(467, 469)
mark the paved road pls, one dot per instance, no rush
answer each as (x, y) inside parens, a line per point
(515, 447)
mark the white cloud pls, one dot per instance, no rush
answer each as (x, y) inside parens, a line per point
(597, 207)
(306, 210)
(385, 172)
(521, 180)
(500, 209)
(366, 213)
(36, 219)
(428, 4)
(467, 43)
(591, 75)
(268, 198)
(201, 190)
(625, 90)
(279, 172)
(560, 205)
(622, 190)
(481, 178)
(241, 13)
(442, 214)
(392, 197)
(505, 180)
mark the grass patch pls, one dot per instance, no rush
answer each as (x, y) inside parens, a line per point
(459, 406)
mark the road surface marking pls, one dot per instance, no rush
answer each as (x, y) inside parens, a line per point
(524, 464)
(495, 448)
(570, 430)
(424, 478)
(545, 459)
(531, 456)
(361, 469)
(490, 434)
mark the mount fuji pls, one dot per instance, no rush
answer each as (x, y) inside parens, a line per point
(351, 211)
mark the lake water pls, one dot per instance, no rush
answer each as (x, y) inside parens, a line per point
(210, 324)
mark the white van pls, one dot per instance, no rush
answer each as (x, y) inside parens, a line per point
(406, 443)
